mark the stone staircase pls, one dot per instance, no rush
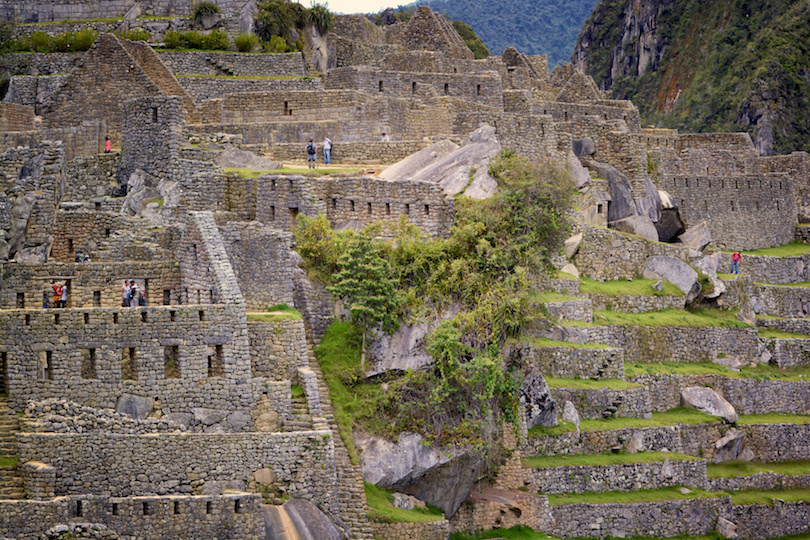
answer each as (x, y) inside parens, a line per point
(302, 420)
(11, 484)
(351, 493)
(221, 68)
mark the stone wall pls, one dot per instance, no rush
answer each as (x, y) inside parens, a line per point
(211, 87)
(634, 303)
(782, 301)
(759, 481)
(277, 349)
(83, 140)
(696, 517)
(606, 402)
(572, 362)
(262, 260)
(151, 136)
(748, 396)
(434, 530)
(37, 64)
(780, 519)
(571, 310)
(77, 10)
(773, 270)
(348, 152)
(234, 63)
(790, 352)
(628, 477)
(742, 212)
(92, 177)
(235, 515)
(15, 117)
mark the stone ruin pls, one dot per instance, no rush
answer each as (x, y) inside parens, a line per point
(180, 415)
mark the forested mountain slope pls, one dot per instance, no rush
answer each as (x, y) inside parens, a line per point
(724, 65)
(533, 26)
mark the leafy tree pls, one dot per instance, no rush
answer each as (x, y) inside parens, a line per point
(365, 284)
(472, 40)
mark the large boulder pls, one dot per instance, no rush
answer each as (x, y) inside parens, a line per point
(572, 245)
(675, 271)
(697, 237)
(621, 204)
(669, 225)
(21, 209)
(233, 157)
(307, 520)
(442, 477)
(579, 174)
(708, 401)
(35, 254)
(731, 447)
(138, 407)
(583, 147)
(726, 529)
(638, 225)
(570, 414)
(709, 266)
(534, 397)
(650, 204)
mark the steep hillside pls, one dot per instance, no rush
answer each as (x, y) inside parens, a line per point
(727, 65)
(533, 26)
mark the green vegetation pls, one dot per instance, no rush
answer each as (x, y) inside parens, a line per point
(280, 23)
(471, 39)
(760, 371)
(518, 532)
(601, 460)
(772, 418)
(216, 40)
(788, 250)
(635, 287)
(732, 469)
(136, 34)
(773, 333)
(672, 317)
(8, 462)
(667, 418)
(767, 497)
(296, 391)
(641, 496)
(545, 342)
(199, 10)
(588, 384)
(382, 509)
(44, 43)
(246, 42)
(727, 65)
(279, 312)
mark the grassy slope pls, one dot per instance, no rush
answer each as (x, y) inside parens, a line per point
(593, 460)
(732, 469)
(382, 509)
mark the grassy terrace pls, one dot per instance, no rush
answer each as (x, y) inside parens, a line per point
(641, 496)
(733, 469)
(767, 497)
(788, 250)
(771, 333)
(635, 287)
(544, 342)
(700, 318)
(601, 460)
(383, 510)
(773, 418)
(761, 371)
(8, 462)
(667, 418)
(280, 312)
(588, 384)
(518, 532)
(251, 173)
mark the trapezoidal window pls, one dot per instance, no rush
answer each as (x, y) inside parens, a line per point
(154, 115)
(45, 365)
(216, 363)
(88, 363)
(171, 362)
(380, 86)
(129, 364)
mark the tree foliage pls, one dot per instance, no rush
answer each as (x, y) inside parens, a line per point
(285, 19)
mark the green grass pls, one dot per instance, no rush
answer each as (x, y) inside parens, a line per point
(518, 532)
(666, 418)
(251, 173)
(732, 469)
(601, 460)
(803, 284)
(766, 497)
(550, 296)
(626, 497)
(279, 312)
(772, 418)
(8, 462)
(383, 510)
(296, 390)
(788, 250)
(589, 384)
(566, 276)
(671, 317)
(772, 333)
(635, 287)
(760, 371)
(544, 342)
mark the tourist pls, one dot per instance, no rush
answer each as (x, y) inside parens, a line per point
(735, 262)
(79, 256)
(107, 145)
(57, 294)
(45, 300)
(327, 150)
(133, 294)
(125, 294)
(385, 138)
(312, 155)
(63, 297)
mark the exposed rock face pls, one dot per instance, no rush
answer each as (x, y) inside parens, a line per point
(731, 447)
(20, 214)
(308, 521)
(570, 414)
(583, 147)
(650, 204)
(697, 237)
(676, 272)
(726, 529)
(709, 266)
(35, 255)
(572, 245)
(233, 157)
(535, 399)
(670, 226)
(639, 225)
(580, 174)
(707, 400)
(138, 407)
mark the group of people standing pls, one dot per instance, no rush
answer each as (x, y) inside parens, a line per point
(131, 295)
(312, 153)
(60, 294)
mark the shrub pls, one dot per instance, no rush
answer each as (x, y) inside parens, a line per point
(203, 9)
(6, 34)
(216, 41)
(136, 34)
(84, 39)
(319, 16)
(277, 44)
(246, 42)
(172, 39)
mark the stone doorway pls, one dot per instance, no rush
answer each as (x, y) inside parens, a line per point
(3, 373)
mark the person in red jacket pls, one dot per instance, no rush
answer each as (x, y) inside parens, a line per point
(107, 145)
(735, 262)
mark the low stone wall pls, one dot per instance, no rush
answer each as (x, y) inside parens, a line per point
(15, 117)
(606, 402)
(629, 477)
(776, 270)
(782, 518)
(183, 464)
(40, 63)
(759, 481)
(92, 177)
(435, 530)
(748, 396)
(241, 64)
(678, 343)
(695, 517)
(790, 352)
(348, 152)
(235, 515)
(572, 310)
(800, 326)
(781, 301)
(202, 88)
(636, 304)
(778, 442)
(277, 349)
(572, 362)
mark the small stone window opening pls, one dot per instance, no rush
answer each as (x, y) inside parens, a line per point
(154, 115)
(287, 110)
(79, 509)
(777, 205)
(3, 371)
(216, 363)
(446, 89)
(732, 205)
(201, 313)
(56, 319)
(176, 507)
(144, 317)
(272, 213)
(413, 87)
(566, 116)
(171, 362)
(146, 508)
(70, 247)
(478, 91)
(45, 366)
(723, 184)
(427, 210)
(407, 208)
(687, 182)
(736, 184)
(606, 117)
(599, 208)
(115, 318)
(27, 320)
(780, 184)
(368, 209)
(682, 204)
(167, 297)
(351, 206)
(209, 507)
(20, 300)
(86, 318)
(237, 506)
(334, 204)
(705, 206)
(96, 298)
(273, 184)
(380, 86)
(129, 364)
(115, 509)
(98, 207)
(172, 316)
(107, 232)
(88, 369)
(757, 203)
(387, 209)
